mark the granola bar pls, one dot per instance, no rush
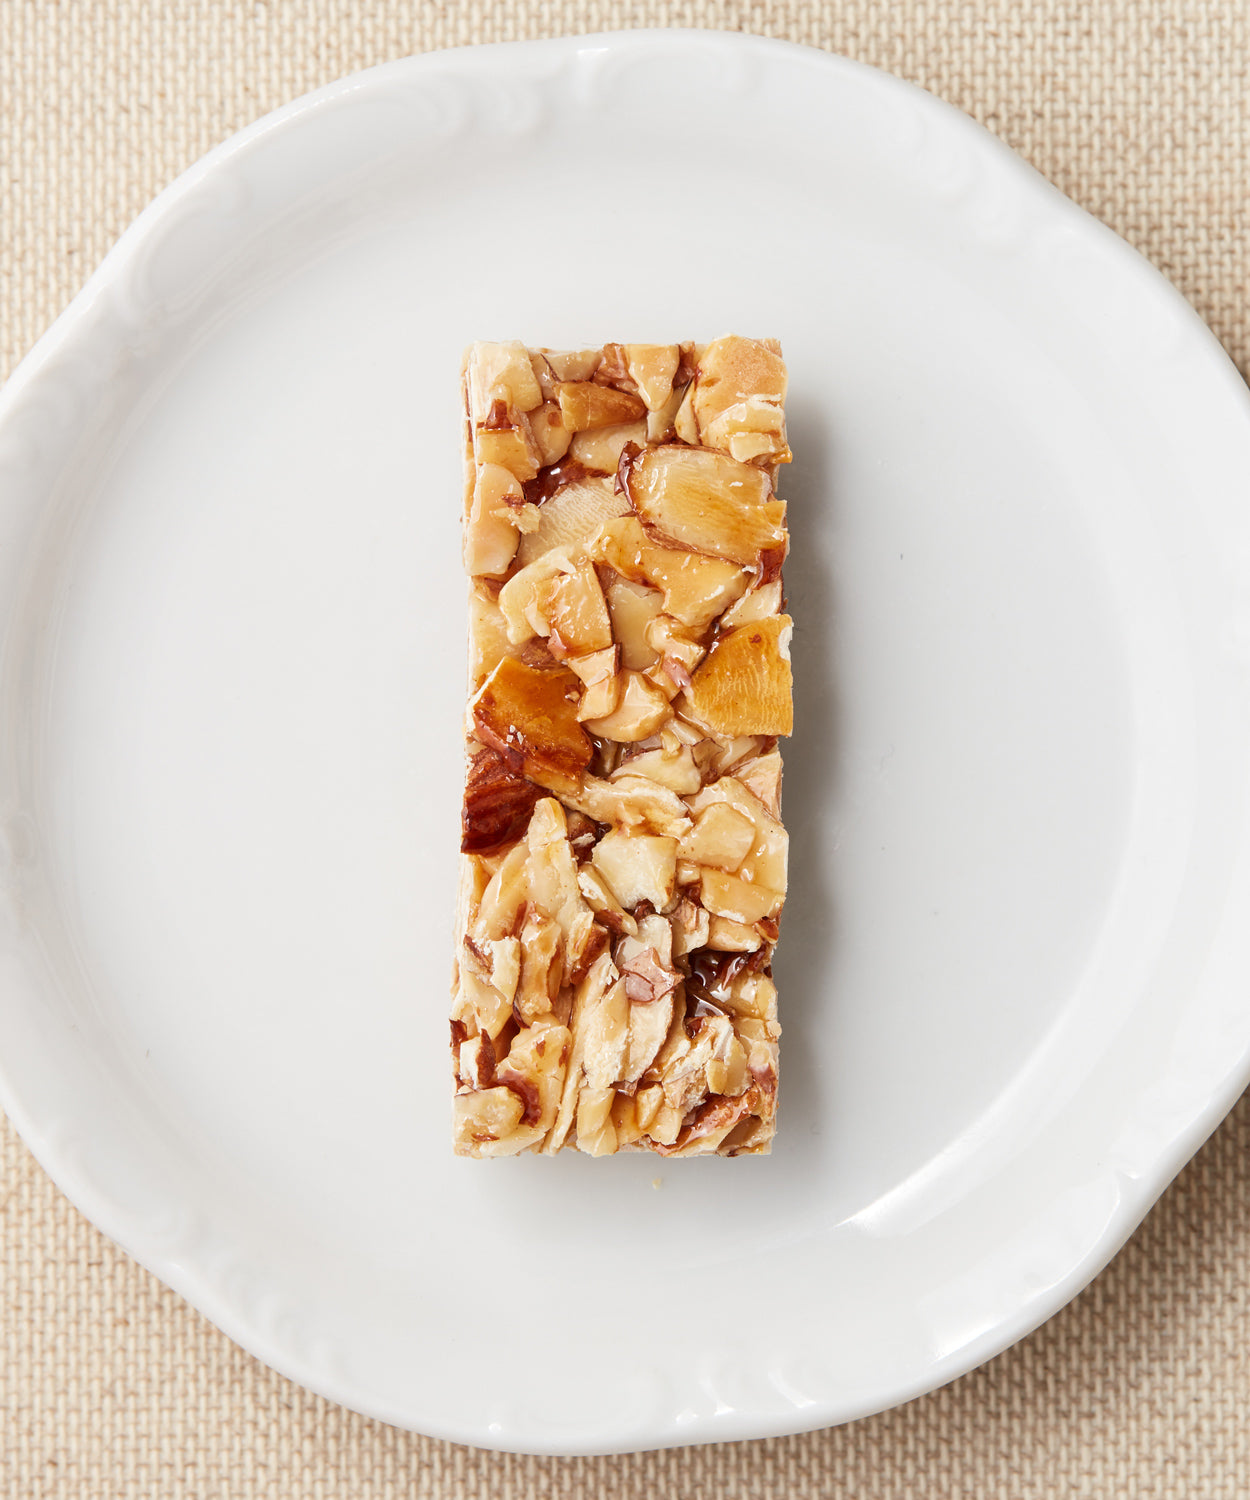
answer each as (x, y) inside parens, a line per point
(623, 861)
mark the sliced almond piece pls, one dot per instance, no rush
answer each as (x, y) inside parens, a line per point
(708, 502)
(577, 612)
(573, 364)
(691, 926)
(732, 370)
(597, 665)
(637, 867)
(488, 635)
(573, 514)
(758, 604)
(641, 709)
(633, 802)
(497, 804)
(551, 436)
(530, 717)
(762, 777)
(721, 838)
(600, 449)
(600, 700)
(633, 607)
(541, 967)
(743, 685)
(501, 375)
(673, 769)
(586, 405)
(521, 599)
(490, 534)
(728, 896)
(652, 367)
(488, 1118)
(509, 444)
(728, 936)
(696, 588)
(599, 897)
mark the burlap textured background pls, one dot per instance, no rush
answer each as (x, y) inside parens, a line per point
(109, 1385)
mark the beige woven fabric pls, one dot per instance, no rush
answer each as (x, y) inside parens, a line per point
(109, 1385)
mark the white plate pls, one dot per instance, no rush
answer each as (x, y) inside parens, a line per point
(1016, 957)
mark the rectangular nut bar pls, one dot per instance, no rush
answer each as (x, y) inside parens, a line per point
(623, 861)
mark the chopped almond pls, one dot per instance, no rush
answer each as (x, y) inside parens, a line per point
(707, 501)
(530, 717)
(585, 405)
(743, 684)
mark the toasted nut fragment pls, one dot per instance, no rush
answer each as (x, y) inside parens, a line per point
(501, 374)
(754, 429)
(661, 423)
(510, 445)
(551, 436)
(727, 896)
(534, 1068)
(600, 700)
(551, 873)
(646, 962)
(522, 598)
(596, 1134)
(632, 608)
(577, 612)
(475, 1062)
(530, 717)
(762, 777)
(674, 769)
(486, 1116)
(668, 639)
(499, 907)
(478, 1002)
(728, 936)
(708, 502)
(652, 367)
(633, 802)
(488, 635)
(599, 897)
(765, 865)
(505, 966)
(743, 685)
(733, 370)
(600, 449)
(575, 512)
(637, 867)
(585, 405)
(649, 1027)
(497, 804)
(597, 665)
(490, 534)
(640, 711)
(756, 605)
(720, 837)
(572, 364)
(696, 588)
(691, 925)
(542, 967)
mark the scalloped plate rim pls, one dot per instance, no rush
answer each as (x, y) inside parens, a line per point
(1137, 1194)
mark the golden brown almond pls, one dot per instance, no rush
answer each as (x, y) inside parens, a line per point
(497, 804)
(733, 370)
(585, 405)
(708, 502)
(530, 718)
(743, 685)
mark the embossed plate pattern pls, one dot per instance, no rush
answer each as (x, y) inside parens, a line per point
(1015, 958)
